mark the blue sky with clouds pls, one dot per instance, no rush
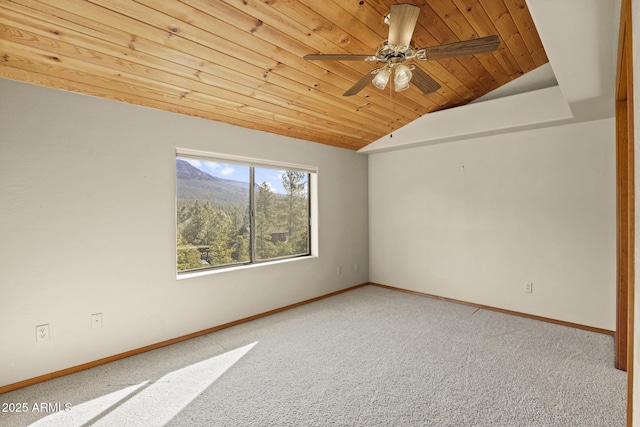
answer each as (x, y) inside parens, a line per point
(240, 173)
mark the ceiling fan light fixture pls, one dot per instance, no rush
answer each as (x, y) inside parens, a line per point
(382, 78)
(402, 78)
(403, 74)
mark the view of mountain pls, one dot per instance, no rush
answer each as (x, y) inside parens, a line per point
(193, 184)
(213, 223)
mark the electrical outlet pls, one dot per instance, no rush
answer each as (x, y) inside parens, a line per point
(42, 333)
(355, 267)
(96, 321)
(339, 270)
(528, 287)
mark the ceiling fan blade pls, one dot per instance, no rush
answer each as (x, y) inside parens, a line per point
(463, 48)
(402, 22)
(362, 83)
(423, 81)
(338, 57)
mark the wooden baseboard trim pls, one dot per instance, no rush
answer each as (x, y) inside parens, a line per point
(501, 310)
(105, 360)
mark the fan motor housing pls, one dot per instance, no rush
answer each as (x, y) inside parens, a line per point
(389, 52)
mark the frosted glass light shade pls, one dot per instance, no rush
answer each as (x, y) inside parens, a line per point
(382, 78)
(402, 78)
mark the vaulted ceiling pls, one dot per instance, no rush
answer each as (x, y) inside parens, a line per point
(241, 61)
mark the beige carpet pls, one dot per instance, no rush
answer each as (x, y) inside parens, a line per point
(368, 357)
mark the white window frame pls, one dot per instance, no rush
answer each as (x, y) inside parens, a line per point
(261, 163)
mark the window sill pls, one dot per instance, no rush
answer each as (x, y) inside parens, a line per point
(241, 267)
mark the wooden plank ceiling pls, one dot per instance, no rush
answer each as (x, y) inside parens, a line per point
(240, 61)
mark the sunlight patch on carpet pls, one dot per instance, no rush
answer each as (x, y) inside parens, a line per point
(155, 402)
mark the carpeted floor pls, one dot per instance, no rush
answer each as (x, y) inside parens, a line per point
(367, 357)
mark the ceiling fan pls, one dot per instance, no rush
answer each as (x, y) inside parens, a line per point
(397, 49)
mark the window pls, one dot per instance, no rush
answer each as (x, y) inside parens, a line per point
(232, 212)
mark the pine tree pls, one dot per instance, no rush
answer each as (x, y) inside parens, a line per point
(265, 202)
(295, 184)
(188, 255)
(198, 224)
(219, 236)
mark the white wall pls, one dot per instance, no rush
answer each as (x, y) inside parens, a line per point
(535, 206)
(88, 225)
